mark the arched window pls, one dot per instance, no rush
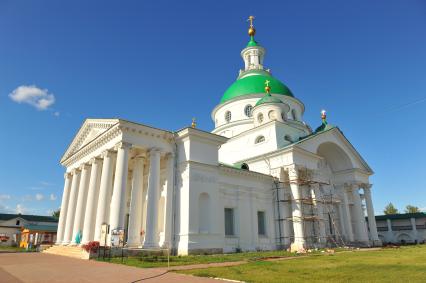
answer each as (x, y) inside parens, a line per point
(247, 110)
(260, 117)
(259, 139)
(293, 114)
(203, 213)
(288, 138)
(228, 116)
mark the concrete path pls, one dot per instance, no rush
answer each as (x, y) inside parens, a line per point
(40, 267)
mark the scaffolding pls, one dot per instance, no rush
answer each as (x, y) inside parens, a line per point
(316, 201)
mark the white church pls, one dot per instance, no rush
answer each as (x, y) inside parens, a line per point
(262, 179)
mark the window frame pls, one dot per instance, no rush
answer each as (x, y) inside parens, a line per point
(232, 224)
(228, 113)
(250, 114)
(260, 118)
(259, 139)
(263, 213)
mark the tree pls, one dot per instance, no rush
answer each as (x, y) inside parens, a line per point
(411, 209)
(390, 209)
(56, 213)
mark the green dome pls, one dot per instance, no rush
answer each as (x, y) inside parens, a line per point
(324, 127)
(254, 83)
(268, 99)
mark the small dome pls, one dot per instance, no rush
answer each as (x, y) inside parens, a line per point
(253, 83)
(324, 127)
(268, 99)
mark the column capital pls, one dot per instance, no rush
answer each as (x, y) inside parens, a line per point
(84, 166)
(95, 160)
(140, 157)
(293, 171)
(123, 145)
(67, 175)
(170, 155)
(75, 171)
(108, 153)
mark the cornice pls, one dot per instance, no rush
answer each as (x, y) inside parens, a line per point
(90, 147)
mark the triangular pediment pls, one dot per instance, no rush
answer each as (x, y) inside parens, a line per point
(334, 135)
(89, 131)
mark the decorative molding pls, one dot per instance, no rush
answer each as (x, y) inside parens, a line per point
(123, 145)
(98, 142)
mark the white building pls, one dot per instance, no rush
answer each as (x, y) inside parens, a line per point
(11, 226)
(407, 228)
(262, 179)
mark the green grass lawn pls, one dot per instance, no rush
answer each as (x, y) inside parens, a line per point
(405, 264)
(12, 249)
(161, 261)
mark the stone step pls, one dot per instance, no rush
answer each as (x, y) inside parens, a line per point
(69, 251)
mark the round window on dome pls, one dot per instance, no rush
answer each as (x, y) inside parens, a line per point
(228, 116)
(260, 117)
(271, 115)
(248, 110)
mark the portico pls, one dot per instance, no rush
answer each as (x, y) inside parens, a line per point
(95, 190)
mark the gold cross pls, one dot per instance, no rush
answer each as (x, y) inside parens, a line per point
(250, 19)
(267, 83)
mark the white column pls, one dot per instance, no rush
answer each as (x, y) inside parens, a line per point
(343, 233)
(92, 201)
(81, 201)
(359, 216)
(319, 201)
(296, 205)
(168, 214)
(71, 206)
(102, 212)
(64, 208)
(118, 201)
(347, 215)
(151, 235)
(371, 218)
(136, 204)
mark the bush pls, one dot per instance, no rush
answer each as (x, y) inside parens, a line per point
(91, 246)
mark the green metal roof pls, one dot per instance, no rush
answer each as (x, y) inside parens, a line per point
(44, 228)
(33, 218)
(401, 216)
(268, 99)
(252, 83)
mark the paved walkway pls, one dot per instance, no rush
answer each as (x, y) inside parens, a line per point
(40, 267)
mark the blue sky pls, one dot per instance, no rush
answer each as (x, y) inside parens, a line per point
(163, 62)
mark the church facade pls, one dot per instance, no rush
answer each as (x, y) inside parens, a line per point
(261, 180)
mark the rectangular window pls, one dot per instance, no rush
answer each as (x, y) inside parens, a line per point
(261, 223)
(229, 222)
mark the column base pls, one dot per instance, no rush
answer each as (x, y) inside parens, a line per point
(298, 247)
(150, 246)
(376, 243)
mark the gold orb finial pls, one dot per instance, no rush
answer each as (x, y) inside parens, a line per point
(193, 124)
(267, 87)
(251, 30)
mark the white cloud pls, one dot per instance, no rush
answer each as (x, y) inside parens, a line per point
(20, 209)
(56, 114)
(52, 197)
(4, 197)
(41, 99)
(39, 196)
